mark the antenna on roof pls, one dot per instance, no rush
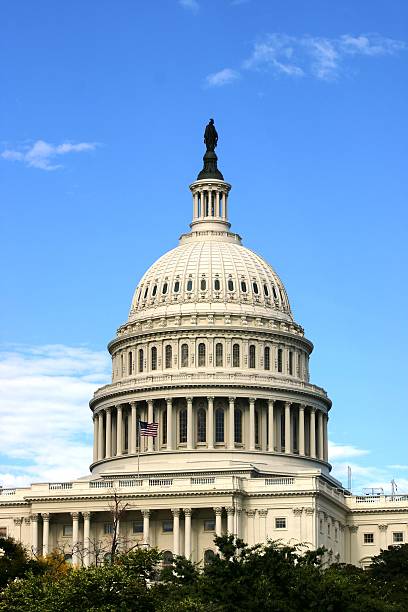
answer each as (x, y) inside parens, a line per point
(349, 478)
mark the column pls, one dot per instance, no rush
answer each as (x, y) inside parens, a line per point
(230, 520)
(34, 533)
(217, 204)
(119, 422)
(231, 423)
(251, 423)
(176, 531)
(313, 432)
(187, 532)
(195, 201)
(218, 521)
(210, 422)
(288, 446)
(278, 434)
(189, 423)
(100, 436)
(150, 418)
(301, 429)
(263, 512)
(146, 526)
(250, 538)
(133, 428)
(383, 536)
(169, 444)
(46, 533)
(108, 432)
(75, 532)
(87, 541)
(320, 433)
(271, 429)
(325, 439)
(95, 439)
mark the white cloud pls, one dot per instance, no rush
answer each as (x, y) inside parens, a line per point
(190, 5)
(41, 153)
(344, 451)
(46, 425)
(223, 77)
(318, 57)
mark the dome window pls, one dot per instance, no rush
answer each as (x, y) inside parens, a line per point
(243, 287)
(201, 355)
(235, 356)
(176, 286)
(189, 285)
(203, 284)
(140, 360)
(291, 363)
(267, 358)
(183, 426)
(201, 426)
(154, 358)
(266, 291)
(238, 426)
(219, 425)
(280, 360)
(168, 356)
(164, 290)
(275, 295)
(146, 292)
(217, 285)
(230, 284)
(154, 290)
(219, 356)
(252, 356)
(255, 288)
(184, 355)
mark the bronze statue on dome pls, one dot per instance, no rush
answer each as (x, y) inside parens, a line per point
(210, 136)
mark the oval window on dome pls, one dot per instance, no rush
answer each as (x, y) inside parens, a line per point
(255, 288)
(217, 285)
(275, 295)
(203, 284)
(164, 290)
(154, 290)
(189, 285)
(230, 284)
(266, 290)
(176, 286)
(243, 287)
(146, 292)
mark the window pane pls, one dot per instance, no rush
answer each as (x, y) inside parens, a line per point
(140, 360)
(209, 525)
(201, 354)
(255, 288)
(219, 357)
(267, 358)
(235, 356)
(201, 426)
(219, 425)
(252, 358)
(217, 285)
(238, 425)
(176, 287)
(137, 527)
(230, 285)
(164, 290)
(167, 526)
(243, 286)
(280, 523)
(169, 353)
(203, 284)
(154, 358)
(189, 285)
(183, 426)
(184, 355)
(280, 360)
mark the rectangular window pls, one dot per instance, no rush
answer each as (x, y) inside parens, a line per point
(137, 527)
(280, 523)
(108, 529)
(67, 530)
(368, 538)
(167, 526)
(3, 532)
(397, 537)
(209, 525)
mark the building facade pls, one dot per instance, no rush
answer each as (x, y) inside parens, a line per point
(212, 354)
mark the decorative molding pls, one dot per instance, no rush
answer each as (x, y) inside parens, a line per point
(383, 527)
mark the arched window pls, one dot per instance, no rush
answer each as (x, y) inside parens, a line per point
(140, 360)
(168, 355)
(201, 425)
(203, 284)
(267, 358)
(130, 362)
(266, 291)
(189, 285)
(243, 287)
(291, 363)
(219, 425)
(164, 426)
(255, 288)
(219, 355)
(217, 285)
(183, 426)
(275, 295)
(122, 365)
(164, 289)
(176, 288)
(230, 284)
(154, 358)
(184, 355)
(154, 290)
(235, 356)
(280, 360)
(167, 558)
(252, 356)
(201, 355)
(208, 556)
(256, 427)
(146, 292)
(238, 425)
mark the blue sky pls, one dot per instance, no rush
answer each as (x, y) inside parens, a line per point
(102, 110)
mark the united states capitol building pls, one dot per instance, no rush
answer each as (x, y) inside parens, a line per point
(212, 353)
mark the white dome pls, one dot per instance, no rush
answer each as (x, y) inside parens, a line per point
(213, 274)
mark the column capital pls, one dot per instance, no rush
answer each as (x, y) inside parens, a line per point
(271, 401)
(231, 399)
(18, 521)
(263, 511)
(175, 511)
(87, 515)
(133, 404)
(353, 528)
(108, 408)
(288, 403)
(210, 398)
(297, 511)
(34, 518)
(252, 400)
(383, 527)
(309, 511)
(187, 511)
(45, 516)
(118, 406)
(230, 509)
(75, 516)
(218, 510)
(189, 399)
(150, 402)
(302, 406)
(251, 512)
(27, 520)
(145, 512)
(169, 400)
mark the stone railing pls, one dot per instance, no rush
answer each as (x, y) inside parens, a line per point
(354, 501)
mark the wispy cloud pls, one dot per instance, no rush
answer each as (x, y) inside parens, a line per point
(46, 426)
(319, 57)
(223, 77)
(42, 154)
(344, 451)
(190, 5)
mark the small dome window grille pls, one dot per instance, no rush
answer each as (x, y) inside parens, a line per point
(266, 291)
(275, 295)
(243, 287)
(255, 288)
(217, 285)
(189, 285)
(154, 290)
(176, 287)
(164, 290)
(203, 284)
(230, 284)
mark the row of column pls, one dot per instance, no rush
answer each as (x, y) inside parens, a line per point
(204, 202)
(291, 427)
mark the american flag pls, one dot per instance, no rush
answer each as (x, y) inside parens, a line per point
(148, 429)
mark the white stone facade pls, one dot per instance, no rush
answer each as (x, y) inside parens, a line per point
(211, 353)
